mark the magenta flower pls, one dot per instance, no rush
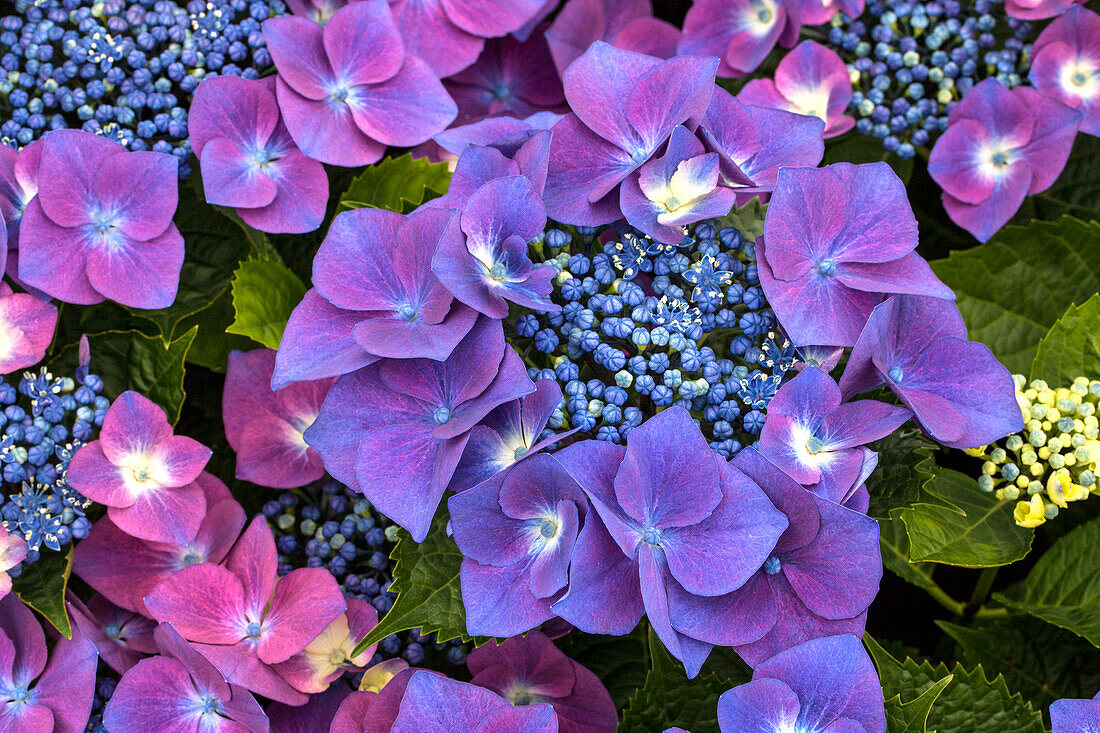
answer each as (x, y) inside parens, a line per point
(122, 638)
(265, 428)
(1000, 146)
(516, 532)
(124, 568)
(26, 329)
(319, 11)
(625, 24)
(511, 137)
(325, 659)
(433, 702)
(348, 90)
(143, 473)
(374, 711)
(18, 185)
(527, 670)
(101, 224)
(511, 78)
(836, 239)
(739, 32)
(816, 440)
(248, 159)
(395, 430)
(450, 34)
(1065, 64)
(1074, 716)
(679, 188)
(673, 525)
(13, 549)
(817, 12)
(244, 618)
(178, 691)
(959, 393)
(498, 148)
(811, 80)
(625, 106)
(34, 695)
(316, 715)
(1038, 9)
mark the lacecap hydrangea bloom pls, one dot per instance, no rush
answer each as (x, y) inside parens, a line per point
(1065, 64)
(739, 32)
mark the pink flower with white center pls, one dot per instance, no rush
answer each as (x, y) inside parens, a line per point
(326, 658)
(13, 549)
(1065, 64)
(1038, 9)
(26, 329)
(739, 32)
(142, 472)
(811, 80)
(816, 12)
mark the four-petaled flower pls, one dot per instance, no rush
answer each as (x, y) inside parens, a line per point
(1065, 64)
(739, 32)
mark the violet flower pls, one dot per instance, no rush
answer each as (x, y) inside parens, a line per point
(122, 638)
(433, 702)
(827, 684)
(1000, 146)
(819, 580)
(818, 12)
(265, 428)
(1075, 716)
(625, 106)
(1065, 64)
(26, 329)
(816, 440)
(248, 159)
(349, 89)
(516, 532)
(374, 295)
(179, 690)
(319, 11)
(511, 148)
(1038, 9)
(18, 185)
(13, 550)
(625, 24)
(36, 695)
(739, 32)
(325, 659)
(124, 568)
(679, 188)
(241, 619)
(673, 525)
(395, 430)
(142, 472)
(101, 224)
(959, 393)
(507, 134)
(527, 670)
(811, 80)
(316, 716)
(373, 711)
(836, 240)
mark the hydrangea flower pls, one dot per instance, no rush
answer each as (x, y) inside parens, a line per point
(248, 159)
(374, 295)
(179, 690)
(836, 239)
(959, 393)
(1000, 146)
(36, 695)
(265, 428)
(434, 702)
(1075, 716)
(316, 715)
(819, 580)
(625, 106)
(124, 568)
(625, 24)
(13, 550)
(18, 185)
(121, 637)
(528, 670)
(143, 473)
(673, 524)
(1038, 9)
(395, 430)
(826, 684)
(516, 532)
(373, 711)
(818, 12)
(739, 32)
(319, 11)
(511, 137)
(101, 224)
(349, 89)
(26, 329)
(325, 659)
(241, 619)
(811, 80)
(1065, 64)
(818, 441)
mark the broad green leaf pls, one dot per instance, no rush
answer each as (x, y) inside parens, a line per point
(1071, 348)
(973, 530)
(42, 586)
(1042, 662)
(669, 699)
(724, 662)
(265, 293)
(1076, 191)
(904, 466)
(912, 716)
(212, 343)
(858, 148)
(970, 702)
(1064, 586)
(1014, 287)
(621, 662)
(749, 219)
(894, 543)
(397, 184)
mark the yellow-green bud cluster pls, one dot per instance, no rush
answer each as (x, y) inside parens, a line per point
(1054, 460)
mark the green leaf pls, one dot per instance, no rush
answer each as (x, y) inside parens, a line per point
(425, 579)
(1064, 586)
(1013, 288)
(397, 184)
(856, 148)
(973, 529)
(669, 699)
(42, 586)
(1071, 348)
(912, 716)
(894, 544)
(904, 466)
(619, 661)
(212, 343)
(264, 295)
(1077, 190)
(749, 219)
(970, 702)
